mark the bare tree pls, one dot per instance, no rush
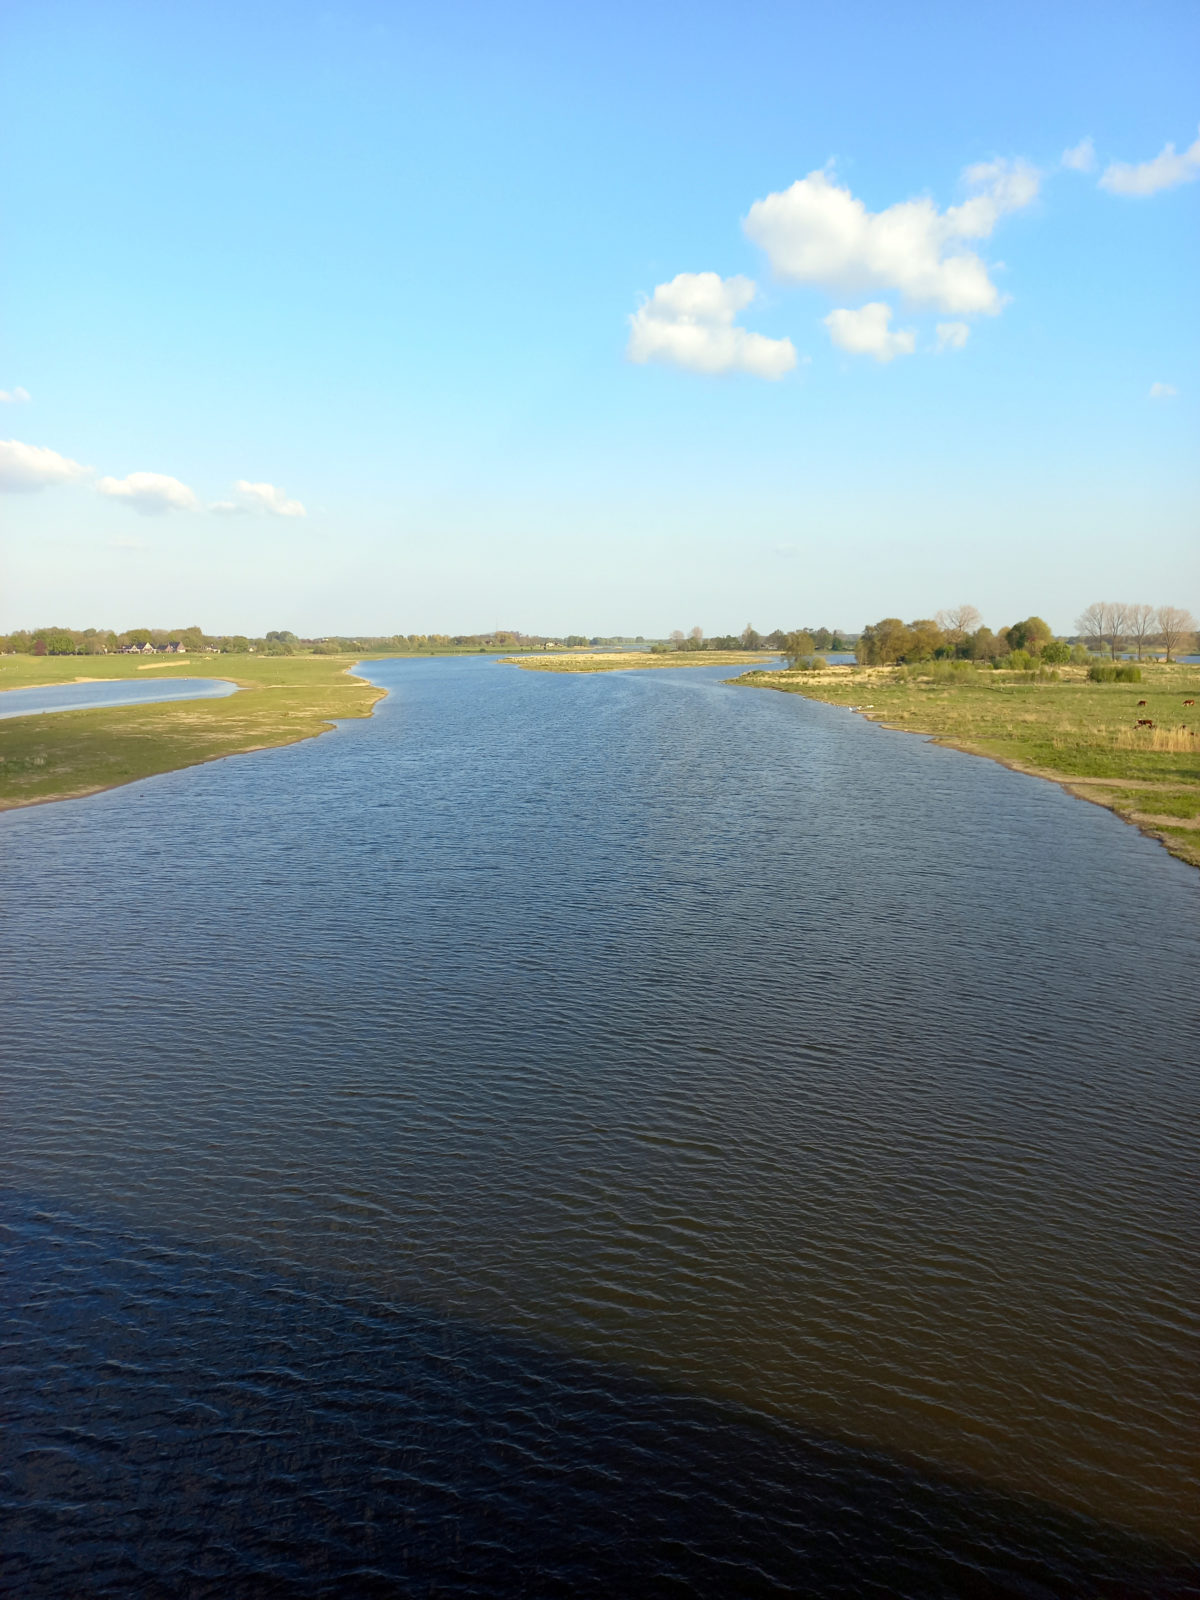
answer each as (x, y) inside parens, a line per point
(1089, 624)
(1176, 629)
(1105, 623)
(1139, 624)
(1116, 626)
(676, 637)
(697, 636)
(958, 621)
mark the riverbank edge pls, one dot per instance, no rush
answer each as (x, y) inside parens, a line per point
(581, 662)
(86, 791)
(1079, 788)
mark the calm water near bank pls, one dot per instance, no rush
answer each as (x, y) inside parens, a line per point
(114, 692)
(604, 1135)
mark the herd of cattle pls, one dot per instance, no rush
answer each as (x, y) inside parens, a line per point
(1145, 722)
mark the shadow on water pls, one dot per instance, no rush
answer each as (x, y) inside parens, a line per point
(185, 1425)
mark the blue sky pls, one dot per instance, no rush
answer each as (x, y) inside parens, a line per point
(376, 265)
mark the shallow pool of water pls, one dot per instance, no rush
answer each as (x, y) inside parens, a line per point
(112, 692)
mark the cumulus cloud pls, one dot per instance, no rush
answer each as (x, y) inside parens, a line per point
(265, 498)
(14, 397)
(1080, 157)
(865, 332)
(1163, 391)
(952, 335)
(150, 493)
(690, 323)
(818, 232)
(1168, 168)
(27, 467)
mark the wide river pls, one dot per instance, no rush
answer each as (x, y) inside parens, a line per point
(603, 1136)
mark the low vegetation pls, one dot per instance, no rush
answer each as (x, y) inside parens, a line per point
(66, 754)
(1134, 749)
(634, 660)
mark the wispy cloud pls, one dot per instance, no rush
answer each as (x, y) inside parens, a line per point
(1163, 391)
(1168, 169)
(264, 498)
(865, 332)
(952, 335)
(14, 397)
(690, 322)
(25, 468)
(150, 493)
(1080, 157)
(818, 232)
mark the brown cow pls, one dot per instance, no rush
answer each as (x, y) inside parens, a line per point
(1189, 702)
(1144, 722)
(1141, 702)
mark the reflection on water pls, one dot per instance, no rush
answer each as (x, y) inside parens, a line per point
(115, 692)
(603, 1134)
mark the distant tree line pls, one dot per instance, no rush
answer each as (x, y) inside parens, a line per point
(959, 634)
(751, 639)
(278, 642)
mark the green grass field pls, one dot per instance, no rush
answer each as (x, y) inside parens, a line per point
(69, 753)
(1077, 733)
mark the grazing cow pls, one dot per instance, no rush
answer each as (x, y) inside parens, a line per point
(1189, 702)
(1144, 722)
(1141, 702)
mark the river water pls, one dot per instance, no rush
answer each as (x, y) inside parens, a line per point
(602, 1135)
(115, 692)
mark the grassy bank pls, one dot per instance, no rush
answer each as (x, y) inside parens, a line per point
(1075, 732)
(630, 660)
(65, 754)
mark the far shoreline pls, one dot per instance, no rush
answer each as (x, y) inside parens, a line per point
(1178, 834)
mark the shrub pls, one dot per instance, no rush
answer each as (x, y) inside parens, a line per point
(1100, 672)
(1057, 653)
(939, 671)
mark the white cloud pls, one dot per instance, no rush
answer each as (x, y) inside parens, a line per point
(14, 397)
(260, 497)
(27, 467)
(952, 335)
(690, 322)
(267, 497)
(865, 332)
(151, 493)
(1166, 170)
(1163, 391)
(1080, 157)
(818, 232)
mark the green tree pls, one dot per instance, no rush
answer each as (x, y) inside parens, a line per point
(884, 643)
(1032, 635)
(798, 647)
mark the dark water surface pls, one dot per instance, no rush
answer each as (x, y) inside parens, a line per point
(114, 692)
(598, 1135)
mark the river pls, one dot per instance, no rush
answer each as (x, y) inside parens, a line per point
(598, 1135)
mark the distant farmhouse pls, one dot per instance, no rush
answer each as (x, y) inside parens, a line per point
(172, 649)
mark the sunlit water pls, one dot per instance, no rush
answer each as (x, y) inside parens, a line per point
(598, 1135)
(114, 692)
